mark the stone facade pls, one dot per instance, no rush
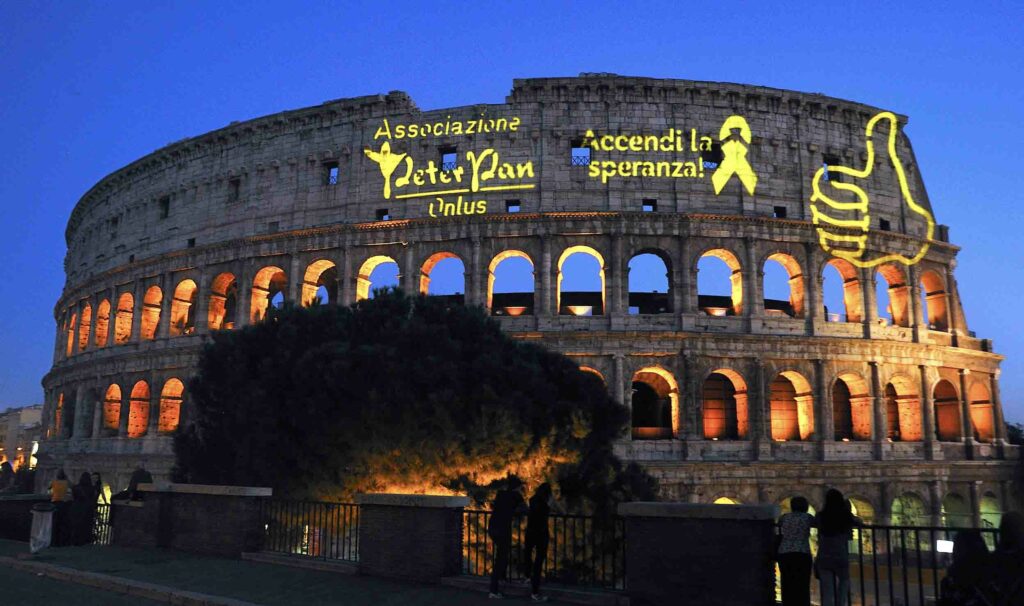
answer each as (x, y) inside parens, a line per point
(762, 399)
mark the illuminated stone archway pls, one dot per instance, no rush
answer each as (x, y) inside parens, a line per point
(903, 410)
(794, 284)
(897, 293)
(223, 308)
(112, 410)
(138, 410)
(652, 269)
(151, 302)
(269, 282)
(183, 313)
(170, 405)
(102, 323)
(982, 417)
(84, 326)
(850, 291)
(320, 283)
(712, 303)
(71, 329)
(933, 295)
(593, 371)
(725, 408)
(851, 408)
(443, 259)
(123, 318)
(791, 407)
(580, 303)
(727, 501)
(655, 404)
(364, 284)
(990, 511)
(956, 511)
(947, 412)
(909, 510)
(502, 298)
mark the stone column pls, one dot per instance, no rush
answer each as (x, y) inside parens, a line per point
(966, 432)
(202, 303)
(126, 409)
(619, 281)
(975, 504)
(547, 294)
(681, 282)
(931, 449)
(935, 498)
(753, 300)
(163, 327)
(244, 294)
(917, 319)
(347, 278)
(156, 385)
(884, 515)
(409, 273)
(997, 413)
(870, 304)
(813, 298)
(139, 294)
(618, 387)
(953, 303)
(79, 424)
(691, 416)
(295, 277)
(758, 408)
(475, 277)
(97, 413)
(879, 429)
(824, 417)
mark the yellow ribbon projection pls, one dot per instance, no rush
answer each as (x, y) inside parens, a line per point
(828, 213)
(734, 160)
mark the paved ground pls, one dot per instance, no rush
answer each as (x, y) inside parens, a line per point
(265, 584)
(18, 587)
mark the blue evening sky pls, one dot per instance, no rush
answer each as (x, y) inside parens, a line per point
(87, 87)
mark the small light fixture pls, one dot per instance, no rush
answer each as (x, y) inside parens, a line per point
(716, 311)
(944, 546)
(580, 310)
(846, 439)
(514, 311)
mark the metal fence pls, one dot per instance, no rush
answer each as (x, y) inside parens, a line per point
(314, 529)
(582, 550)
(101, 528)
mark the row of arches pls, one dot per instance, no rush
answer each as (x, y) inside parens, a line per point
(116, 411)
(726, 414)
(511, 283)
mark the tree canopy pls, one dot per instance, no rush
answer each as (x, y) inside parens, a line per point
(399, 394)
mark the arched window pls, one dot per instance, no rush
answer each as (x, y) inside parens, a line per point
(72, 325)
(862, 508)
(102, 323)
(138, 410)
(112, 410)
(841, 292)
(269, 283)
(510, 284)
(903, 410)
(786, 506)
(783, 286)
(655, 404)
(984, 424)
(320, 284)
(151, 312)
(580, 282)
(183, 314)
(58, 417)
(223, 311)
(170, 405)
(791, 407)
(909, 510)
(719, 283)
(991, 512)
(947, 412)
(727, 501)
(933, 301)
(594, 372)
(725, 406)
(84, 325)
(956, 512)
(851, 408)
(444, 275)
(649, 284)
(377, 272)
(123, 318)
(893, 295)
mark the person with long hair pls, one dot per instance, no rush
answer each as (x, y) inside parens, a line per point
(965, 583)
(835, 524)
(1007, 563)
(537, 538)
(794, 553)
(507, 503)
(60, 496)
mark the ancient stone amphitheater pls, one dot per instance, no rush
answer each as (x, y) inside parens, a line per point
(735, 397)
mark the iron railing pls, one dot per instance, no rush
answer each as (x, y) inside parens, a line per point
(582, 550)
(314, 529)
(101, 527)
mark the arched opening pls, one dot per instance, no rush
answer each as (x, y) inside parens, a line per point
(791, 406)
(223, 311)
(510, 284)
(67, 424)
(725, 406)
(841, 292)
(444, 275)
(851, 408)
(376, 272)
(151, 312)
(727, 501)
(719, 283)
(580, 287)
(320, 284)
(123, 318)
(58, 417)
(170, 406)
(863, 509)
(112, 410)
(783, 286)
(267, 288)
(84, 325)
(655, 404)
(102, 323)
(786, 506)
(138, 410)
(649, 284)
(947, 412)
(183, 316)
(933, 301)
(71, 327)
(893, 295)
(594, 372)
(990, 511)
(956, 512)
(903, 411)
(982, 419)
(908, 510)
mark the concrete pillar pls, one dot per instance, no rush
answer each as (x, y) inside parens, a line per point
(547, 269)
(879, 429)
(163, 328)
(966, 428)
(928, 416)
(825, 423)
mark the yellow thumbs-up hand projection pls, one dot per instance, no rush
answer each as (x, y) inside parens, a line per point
(840, 221)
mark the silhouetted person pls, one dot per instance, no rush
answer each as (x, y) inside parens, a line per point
(6, 476)
(967, 582)
(60, 496)
(507, 503)
(83, 510)
(1008, 561)
(835, 528)
(101, 489)
(795, 553)
(537, 538)
(132, 493)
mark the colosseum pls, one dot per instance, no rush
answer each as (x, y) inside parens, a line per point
(735, 397)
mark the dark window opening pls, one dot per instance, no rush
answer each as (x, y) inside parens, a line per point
(779, 212)
(831, 160)
(580, 154)
(131, 258)
(331, 173)
(383, 214)
(165, 207)
(234, 190)
(883, 224)
(191, 242)
(512, 206)
(273, 227)
(713, 157)
(649, 206)
(449, 157)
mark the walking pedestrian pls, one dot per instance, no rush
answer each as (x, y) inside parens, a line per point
(507, 503)
(794, 553)
(60, 496)
(835, 525)
(537, 537)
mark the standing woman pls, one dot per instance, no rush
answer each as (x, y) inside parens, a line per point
(537, 538)
(83, 508)
(60, 496)
(835, 525)
(795, 554)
